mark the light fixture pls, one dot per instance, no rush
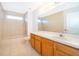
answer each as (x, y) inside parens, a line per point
(14, 17)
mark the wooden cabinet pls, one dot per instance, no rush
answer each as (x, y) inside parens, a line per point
(32, 40)
(59, 53)
(47, 47)
(38, 44)
(64, 50)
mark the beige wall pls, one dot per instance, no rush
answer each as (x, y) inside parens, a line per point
(0, 29)
(55, 23)
(13, 28)
(2, 16)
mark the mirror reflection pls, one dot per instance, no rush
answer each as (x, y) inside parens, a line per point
(64, 21)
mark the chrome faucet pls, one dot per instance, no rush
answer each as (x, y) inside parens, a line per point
(62, 33)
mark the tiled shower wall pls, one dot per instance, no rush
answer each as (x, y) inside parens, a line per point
(10, 28)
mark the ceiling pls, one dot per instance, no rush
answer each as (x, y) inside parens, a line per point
(20, 7)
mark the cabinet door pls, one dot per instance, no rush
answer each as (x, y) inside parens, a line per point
(32, 40)
(47, 47)
(65, 50)
(38, 44)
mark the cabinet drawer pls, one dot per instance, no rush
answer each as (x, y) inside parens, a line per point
(38, 37)
(47, 42)
(67, 49)
(59, 53)
(32, 36)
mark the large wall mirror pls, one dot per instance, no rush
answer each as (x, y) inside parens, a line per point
(65, 21)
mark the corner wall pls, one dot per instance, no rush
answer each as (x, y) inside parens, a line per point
(2, 17)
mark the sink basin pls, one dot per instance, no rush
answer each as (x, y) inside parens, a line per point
(64, 37)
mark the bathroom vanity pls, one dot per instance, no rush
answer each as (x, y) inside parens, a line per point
(51, 44)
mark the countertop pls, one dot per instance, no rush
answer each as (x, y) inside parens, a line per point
(67, 39)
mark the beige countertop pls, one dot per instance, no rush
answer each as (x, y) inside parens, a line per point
(67, 39)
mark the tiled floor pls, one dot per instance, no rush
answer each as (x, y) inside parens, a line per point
(16, 47)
